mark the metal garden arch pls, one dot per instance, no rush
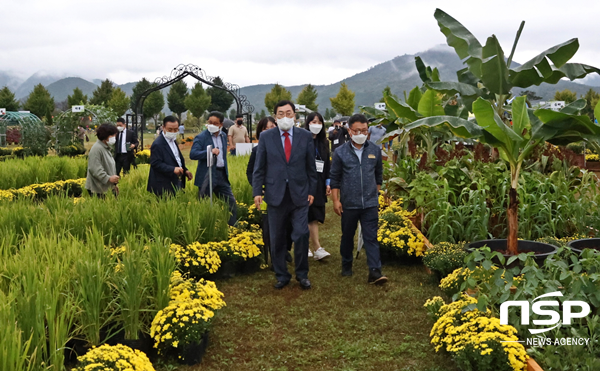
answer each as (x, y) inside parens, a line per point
(179, 73)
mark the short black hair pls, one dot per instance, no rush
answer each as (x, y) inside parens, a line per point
(106, 130)
(357, 118)
(262, 125)
(170, 119)
(238, 116)
(218, 115)
(337, 121)
(282, 103)
(121, 120)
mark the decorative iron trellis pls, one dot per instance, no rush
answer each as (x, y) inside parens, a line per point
(34, 135)
(179, 73)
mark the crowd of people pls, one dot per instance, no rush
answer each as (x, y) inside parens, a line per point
(293, 171)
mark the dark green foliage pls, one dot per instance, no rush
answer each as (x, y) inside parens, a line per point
(176, 98)
(39, 102)
(103, 94)
(8, 100)
(77, 98)
(221, 100)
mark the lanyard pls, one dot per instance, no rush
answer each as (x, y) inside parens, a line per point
(318, 154)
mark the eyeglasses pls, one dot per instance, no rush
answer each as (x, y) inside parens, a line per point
(289, 114)
(357, 132)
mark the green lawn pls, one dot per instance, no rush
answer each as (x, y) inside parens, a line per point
(341, 324)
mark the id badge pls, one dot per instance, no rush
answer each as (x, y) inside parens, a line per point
(336, 141)
(320, 165)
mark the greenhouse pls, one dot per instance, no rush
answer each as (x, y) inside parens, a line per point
(25, 129)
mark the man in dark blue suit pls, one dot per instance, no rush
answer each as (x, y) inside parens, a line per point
(285, 166)
(167, 165)
(213, 136)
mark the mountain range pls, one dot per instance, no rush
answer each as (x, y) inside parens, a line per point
(400, 74)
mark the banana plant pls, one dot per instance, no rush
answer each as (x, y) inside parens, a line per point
(515, 142)
(484, 88)
(491, 76)
(398, 114)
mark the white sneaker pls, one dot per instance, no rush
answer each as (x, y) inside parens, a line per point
(310, 253)
(321, 254)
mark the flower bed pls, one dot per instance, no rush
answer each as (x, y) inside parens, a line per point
(475, 339)
(71, 187)
(396, 234)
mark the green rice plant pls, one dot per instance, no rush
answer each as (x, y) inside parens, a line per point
(15, 347)
(93, 287)
(237, 177)
(132, 285)
(18, 173)
(162, 265)
(163, 219)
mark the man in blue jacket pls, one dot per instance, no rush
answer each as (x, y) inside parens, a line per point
(167, 165)
(213, 136)
(285, 166)
(357, 174)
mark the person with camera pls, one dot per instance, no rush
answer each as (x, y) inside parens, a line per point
(338, 136)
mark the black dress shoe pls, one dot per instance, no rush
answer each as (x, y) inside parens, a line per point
(376, 278)
(280, 284)
(347, 270)
(305, 284)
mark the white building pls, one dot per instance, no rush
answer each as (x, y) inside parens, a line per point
(555, 105)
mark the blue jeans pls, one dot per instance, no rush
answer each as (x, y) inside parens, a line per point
(369, 222)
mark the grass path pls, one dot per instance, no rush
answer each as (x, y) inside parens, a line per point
(341, 324)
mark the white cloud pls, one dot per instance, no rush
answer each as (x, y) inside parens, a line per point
(261, 41)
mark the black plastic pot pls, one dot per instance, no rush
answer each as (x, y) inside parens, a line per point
(586, 243)
(192, 354)
(541, 250)
(75, 348)
(144, 343)
(251, 265)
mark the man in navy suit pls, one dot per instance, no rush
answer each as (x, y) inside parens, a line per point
(213, 136)
(167, 165)
(285, 166)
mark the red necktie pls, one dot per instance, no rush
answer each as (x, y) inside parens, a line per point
(288, 146)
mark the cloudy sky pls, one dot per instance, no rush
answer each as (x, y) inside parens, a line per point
(265, 41)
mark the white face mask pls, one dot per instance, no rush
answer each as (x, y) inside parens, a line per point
(212, 128)
(112, 141)
(120, 128)
(285, 123)
(359, 139)
(170, 136)
(315, 128)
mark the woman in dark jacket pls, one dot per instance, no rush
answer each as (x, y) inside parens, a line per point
(265, 123)
(316, 211)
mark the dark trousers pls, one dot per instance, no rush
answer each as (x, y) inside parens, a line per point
(123, 161)
(279, 217)
(369, 222)
(221, 188)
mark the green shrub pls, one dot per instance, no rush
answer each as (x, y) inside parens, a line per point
(445, 257)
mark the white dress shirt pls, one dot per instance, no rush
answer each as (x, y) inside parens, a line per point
(123, 141)
(174, 149)
(218, 142)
